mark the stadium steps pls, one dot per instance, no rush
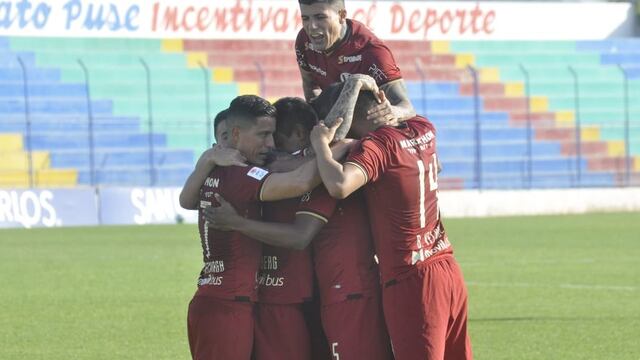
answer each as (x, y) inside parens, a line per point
(14, 167)
(439, 83)
(447, 94)
(59, 112)
(552, 98)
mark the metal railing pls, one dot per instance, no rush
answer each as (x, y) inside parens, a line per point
(525, 173)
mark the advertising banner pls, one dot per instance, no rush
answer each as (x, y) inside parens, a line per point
(280, 19)
(141, 206)
(48, 208)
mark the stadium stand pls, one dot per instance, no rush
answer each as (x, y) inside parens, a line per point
(492, 152)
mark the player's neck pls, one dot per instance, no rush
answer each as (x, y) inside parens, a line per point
(344, 34)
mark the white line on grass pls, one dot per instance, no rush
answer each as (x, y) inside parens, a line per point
(561, 286)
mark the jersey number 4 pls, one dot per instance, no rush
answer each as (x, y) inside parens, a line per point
(432, 185)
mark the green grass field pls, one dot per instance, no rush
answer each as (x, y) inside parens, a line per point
(561, 287)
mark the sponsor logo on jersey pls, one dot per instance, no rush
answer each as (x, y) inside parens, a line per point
(419, 141)
(342, 59)
(300, 57)
(272, 281)
(211, 182)
(318, 70)
(211, 280)
(377, 73)
(257, 173)
(308, 46)
(423, 254)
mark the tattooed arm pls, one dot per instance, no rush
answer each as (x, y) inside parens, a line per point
(345, 105)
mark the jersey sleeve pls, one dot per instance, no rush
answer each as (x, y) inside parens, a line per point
(301, 41)
(250, 181)
(318, 203)
(369, 155)
(380, 64)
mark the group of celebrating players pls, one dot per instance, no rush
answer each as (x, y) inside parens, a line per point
(317, 246)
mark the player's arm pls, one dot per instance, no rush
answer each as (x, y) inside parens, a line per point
(296, 235)
(216, 156)
(310, 88)
(340, 180)
(397, 104)
(346, 102)
(279, 186)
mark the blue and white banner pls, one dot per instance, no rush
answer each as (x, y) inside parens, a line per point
(140, 206)
(48, 208)
(280, 19)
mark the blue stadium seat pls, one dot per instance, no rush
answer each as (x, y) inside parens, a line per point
(433, 88)
(621, 58)
(43, 90)
(609, 45)
(13, 74)
(101, 140)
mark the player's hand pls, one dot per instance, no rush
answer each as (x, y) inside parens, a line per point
(321, 135)
(366, 82)
(225, 156)
(382, 114)
(223, 217)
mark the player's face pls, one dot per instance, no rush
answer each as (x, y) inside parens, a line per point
(256, 142)
(222, 133)
(323, 24)
(296, 141)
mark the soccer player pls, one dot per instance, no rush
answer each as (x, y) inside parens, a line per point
(220, 130)
(424, 296)
(221, 313)
(343, 253)
(330, 46)
(219, 154)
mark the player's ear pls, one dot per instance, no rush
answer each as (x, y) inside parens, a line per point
(299, 132)
(235, 136)
(343, 15)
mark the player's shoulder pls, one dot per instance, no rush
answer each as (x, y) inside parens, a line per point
(362, 37)
(246, 173)
(421, 122)
(302, 38)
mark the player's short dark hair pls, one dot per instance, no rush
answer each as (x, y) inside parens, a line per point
(338, 4)
(292, 111)
(328, 97)
(245, 109)
(222, 116)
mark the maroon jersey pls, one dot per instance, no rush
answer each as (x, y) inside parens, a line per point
(402, 196)
(360, 53)
(343, 249)
(286, 275)
(231, 260)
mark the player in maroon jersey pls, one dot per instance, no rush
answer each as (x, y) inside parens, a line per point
(221, 314)
(424, 296)
(219, 154)
(330, 45)
(343, 252)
